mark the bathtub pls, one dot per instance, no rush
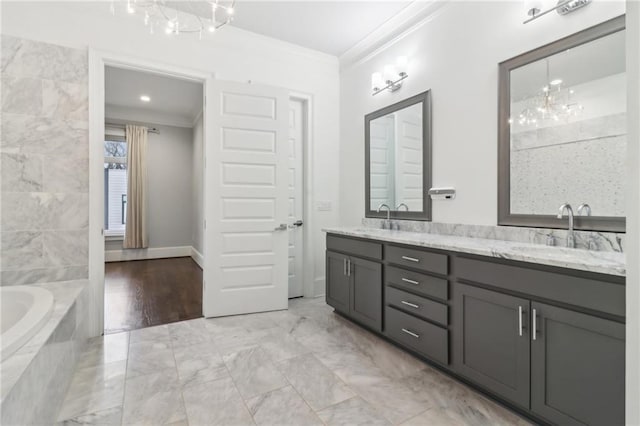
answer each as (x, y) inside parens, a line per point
(23, 311)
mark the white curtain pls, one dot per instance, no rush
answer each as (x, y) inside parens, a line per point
(135, 234)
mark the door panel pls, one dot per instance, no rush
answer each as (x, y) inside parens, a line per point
(296, 200)
(366, 292)
(489, 348)
(337, 291)
(246, 199)
(577, 368)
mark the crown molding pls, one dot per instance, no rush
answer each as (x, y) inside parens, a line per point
(402, 24)
(139, 115)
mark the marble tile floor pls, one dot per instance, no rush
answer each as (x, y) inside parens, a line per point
(304, 366)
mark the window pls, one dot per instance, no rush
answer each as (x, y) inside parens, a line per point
(115, 186)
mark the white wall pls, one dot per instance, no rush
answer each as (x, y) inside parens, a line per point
(456, 55)
(232, 54)
(633, 216)
(197, 176)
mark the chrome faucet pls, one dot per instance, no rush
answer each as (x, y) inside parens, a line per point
(586, 207)
(571, 242)
(386, 224)
(406, 207)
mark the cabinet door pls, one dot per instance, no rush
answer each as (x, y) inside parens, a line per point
(337, 282)
(366, 292)
(577, 368)
(491, 342)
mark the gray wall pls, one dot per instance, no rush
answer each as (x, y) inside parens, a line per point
(44, 150)
(197, 230)
(170, 213)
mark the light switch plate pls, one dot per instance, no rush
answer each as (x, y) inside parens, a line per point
(323, 206)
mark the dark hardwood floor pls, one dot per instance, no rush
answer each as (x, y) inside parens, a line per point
(145, 293)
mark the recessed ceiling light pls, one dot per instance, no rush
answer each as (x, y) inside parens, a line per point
(145, 98)
(555, 82)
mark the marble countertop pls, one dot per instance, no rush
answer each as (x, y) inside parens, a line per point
(611, 263)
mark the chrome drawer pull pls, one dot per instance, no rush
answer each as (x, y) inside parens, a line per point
(407, 280)
(534, 318)
(411, 333)
(410, 259)
(413, 305)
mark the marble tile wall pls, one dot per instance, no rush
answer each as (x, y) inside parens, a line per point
(599, 241)
(44, 168)
(581, 162)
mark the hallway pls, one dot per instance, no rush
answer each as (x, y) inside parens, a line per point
(145, 293)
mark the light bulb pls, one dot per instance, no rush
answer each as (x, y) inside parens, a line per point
(171, 24)
(376, 81)
(168, 30)
(212, 28)
(230, 11)
(390, 73)
(532, 7)
(145, 98)
(555, 82)
(402, 64)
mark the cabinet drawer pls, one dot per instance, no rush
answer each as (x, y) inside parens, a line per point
(417, 305)
(417, 282)
(359, 248)
(423, 337)
(426, 261)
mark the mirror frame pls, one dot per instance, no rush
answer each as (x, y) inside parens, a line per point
(505, 217)
(425, 214)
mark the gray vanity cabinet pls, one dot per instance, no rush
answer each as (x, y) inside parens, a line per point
(577, 367)
(492, 341)
(337, 286)
(354, 284)
(366, 292)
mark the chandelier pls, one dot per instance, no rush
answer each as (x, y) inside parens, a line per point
(553, 104)
(181, 17)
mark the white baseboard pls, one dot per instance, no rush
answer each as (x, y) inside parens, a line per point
(149, 253)
(319, 287)
(197, 257)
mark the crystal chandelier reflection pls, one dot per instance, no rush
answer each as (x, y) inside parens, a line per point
(553, 104)
(162, 16)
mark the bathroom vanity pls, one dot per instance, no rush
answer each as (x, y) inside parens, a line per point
(539, 328)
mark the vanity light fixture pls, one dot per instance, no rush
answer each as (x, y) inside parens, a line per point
(145, 98)
(160, 14)
(391, 77)
(563, 7)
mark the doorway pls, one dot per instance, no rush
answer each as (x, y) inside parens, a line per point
(297, 149)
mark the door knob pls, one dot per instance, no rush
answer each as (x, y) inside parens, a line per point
(296, 224)
(282, 227)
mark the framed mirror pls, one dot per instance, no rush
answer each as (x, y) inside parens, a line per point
(398, 159)
(562, 132)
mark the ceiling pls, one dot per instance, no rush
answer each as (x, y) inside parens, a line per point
(331, 27)
(172, 99)
(598, 59)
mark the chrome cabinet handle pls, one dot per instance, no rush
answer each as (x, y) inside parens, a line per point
(407, 280)
(344, 266)
(282, 227)
(520, 320)
(411, 333)
(533, 319)
(348, 268)
(411, 259)
(413, 305)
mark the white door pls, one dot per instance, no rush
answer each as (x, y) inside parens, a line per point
(296, 202)
(246, 198)
(409, 158)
